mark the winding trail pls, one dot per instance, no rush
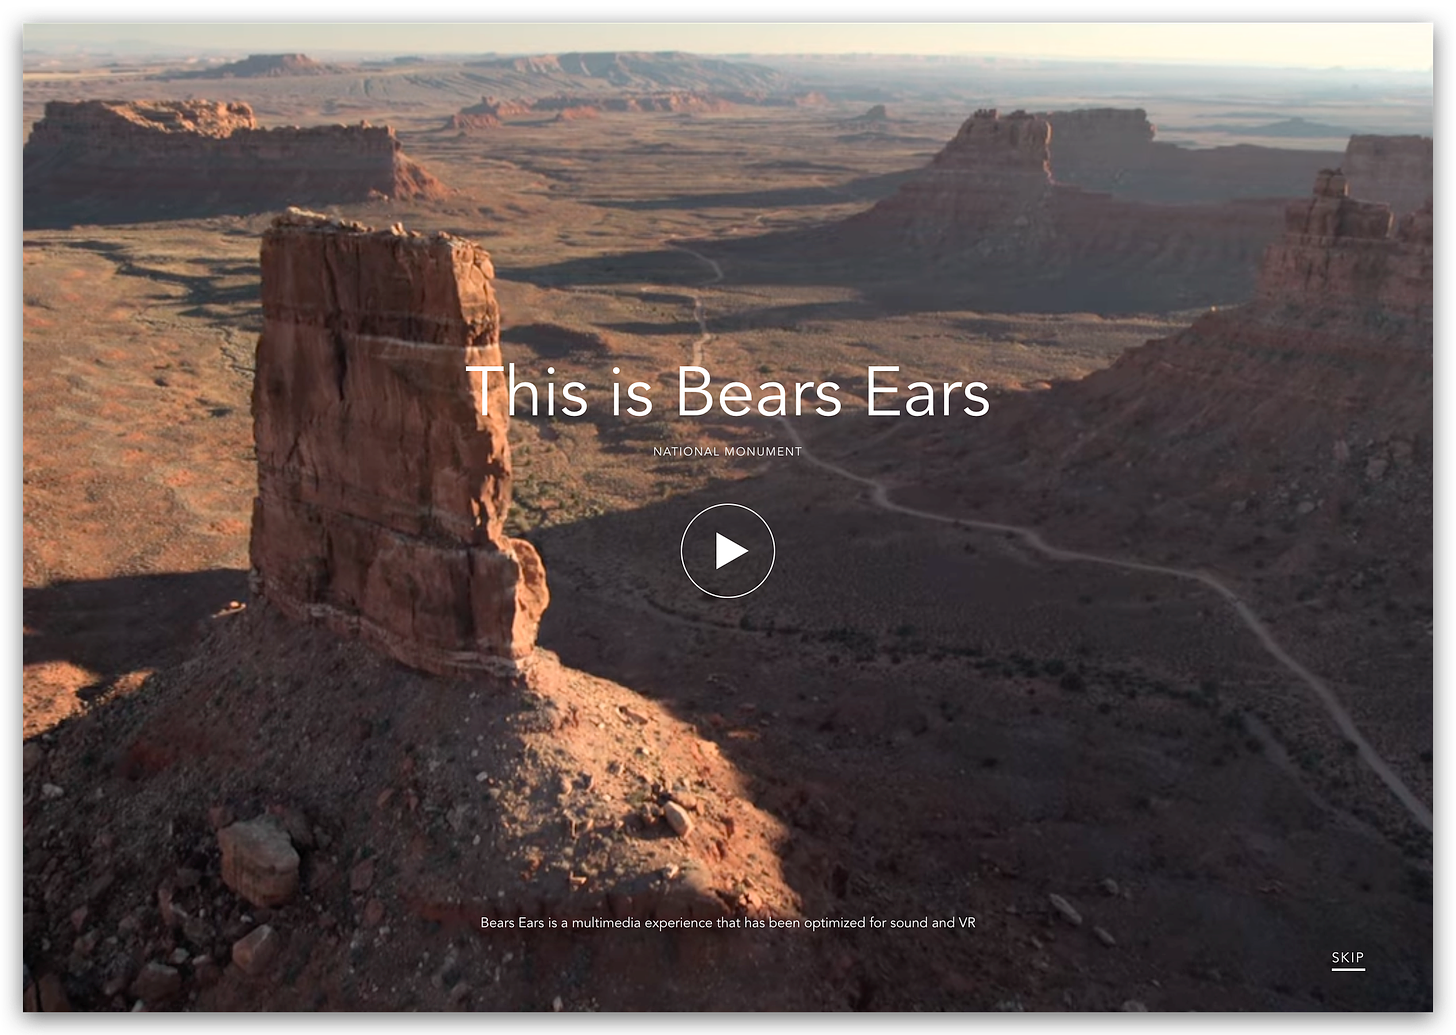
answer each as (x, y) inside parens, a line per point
(700, 313)
(880, 495)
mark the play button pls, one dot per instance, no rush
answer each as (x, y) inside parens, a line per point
(728, 551)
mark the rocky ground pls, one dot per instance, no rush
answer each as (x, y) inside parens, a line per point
(405, 818)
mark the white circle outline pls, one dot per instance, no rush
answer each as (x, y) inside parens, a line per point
(683, 546)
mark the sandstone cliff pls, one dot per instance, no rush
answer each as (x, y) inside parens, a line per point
(1293, 431)
(1338, 251)
(1395, 170)
(667, 100)
(986, 224)
(1096, 147)
(1115, 150)
(989, 189)
(1327, 366)
(118, 161)
(639, 71)
(382, 490)
(487, 114)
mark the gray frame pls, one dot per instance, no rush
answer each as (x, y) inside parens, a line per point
(1440, 1019)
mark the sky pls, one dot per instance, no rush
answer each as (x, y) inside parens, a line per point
(1404, 46)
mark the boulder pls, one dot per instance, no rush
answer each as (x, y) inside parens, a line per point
(259, 861)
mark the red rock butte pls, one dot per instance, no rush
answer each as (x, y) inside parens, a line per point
(1326, 372)
(1299, 423)
(987, 223)
(1115, 150)
(382, 489)
(100, 160)
(1338, 251)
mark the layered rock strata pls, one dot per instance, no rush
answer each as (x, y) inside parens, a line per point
(1332, 357)
(490, 113)
(104, 160)
(1115, 150)
(1338, 251)
(1309, 409)
(382, 489)
(487, 114)
(990, 188)
(987, 224)
(667, 100)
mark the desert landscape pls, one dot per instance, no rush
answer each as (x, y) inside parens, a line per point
(343, 689)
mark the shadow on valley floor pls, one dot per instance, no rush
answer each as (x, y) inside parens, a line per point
(40, 212)
(910, 282)
(125, 624)
(944, 725)
(943, 728)
(202, 288)
(867, 188)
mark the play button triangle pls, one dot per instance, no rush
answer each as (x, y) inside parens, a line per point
(727, 550)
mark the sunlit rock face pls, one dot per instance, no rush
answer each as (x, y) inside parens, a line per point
(382, 489)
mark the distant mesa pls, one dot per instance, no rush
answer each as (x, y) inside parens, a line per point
(989, 223)
(873, 125)
(576, 113)
(492, 113)
(790, 99)
(876, 115)
(663, 100)
(124, 161)
(644, 71)
(1085, 209)
(261, 66)
(485, 115)
(1115, 150)
(382, 489)
(1288, 129)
